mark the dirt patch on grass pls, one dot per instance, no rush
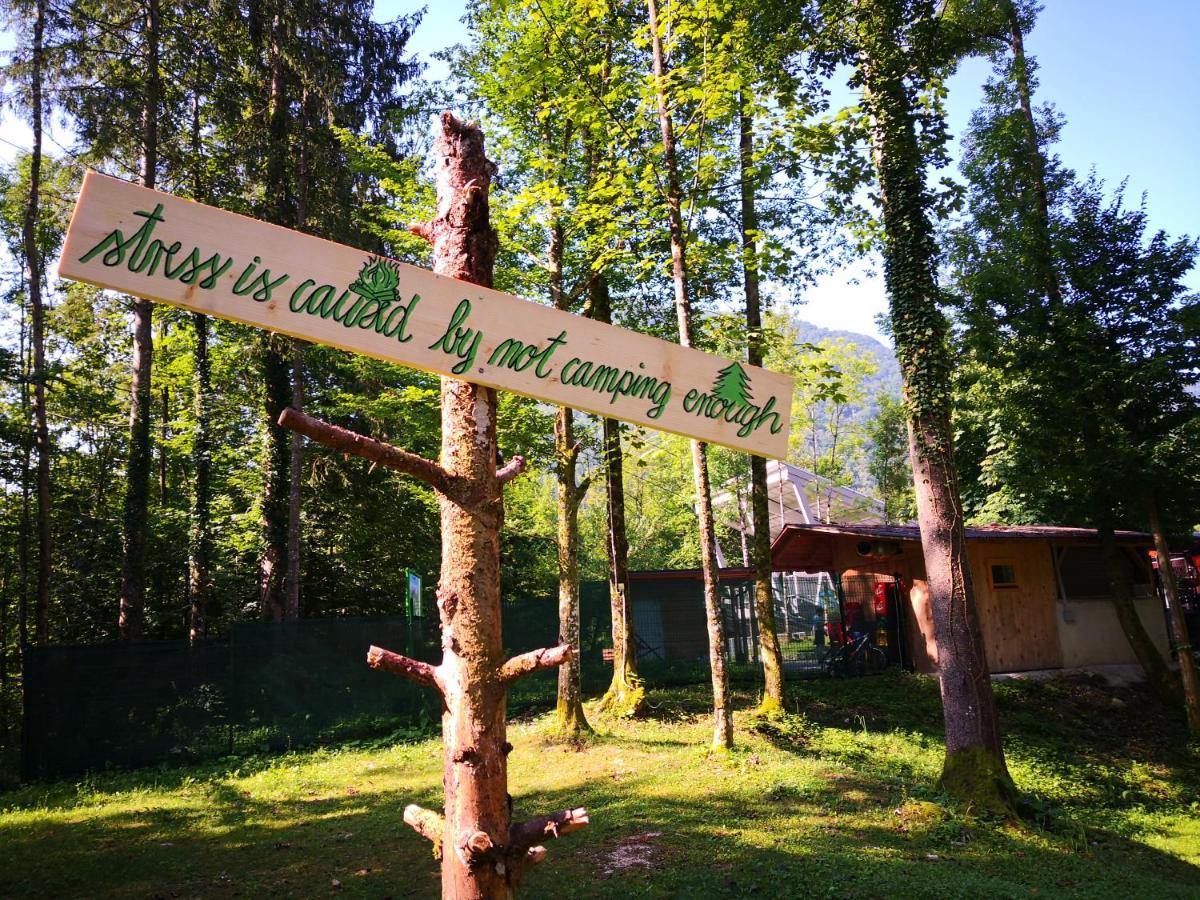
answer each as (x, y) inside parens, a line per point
(638, 851)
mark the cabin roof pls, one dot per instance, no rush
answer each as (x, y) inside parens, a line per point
(809, 547)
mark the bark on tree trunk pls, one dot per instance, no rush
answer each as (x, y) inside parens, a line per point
(764, 599)
(570, 720)
(291, 603)
(625, 697)
(476, 836)
(974, 771)
(131, 621)
(274, 354)
(37, 317)
(200, 537)
(483, 853)
(1157, 673)
(1179, 632)
(722, 714)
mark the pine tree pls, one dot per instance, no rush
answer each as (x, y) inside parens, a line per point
(733, 385)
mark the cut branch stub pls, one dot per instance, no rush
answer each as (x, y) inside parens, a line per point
(526, 835)
(345, 441)
(511, 469)
(427, 823)
(535, 661)
(412, 669)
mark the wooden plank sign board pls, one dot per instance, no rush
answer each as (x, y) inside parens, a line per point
(165, 248)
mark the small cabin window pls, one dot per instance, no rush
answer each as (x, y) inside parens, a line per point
(1003, 574)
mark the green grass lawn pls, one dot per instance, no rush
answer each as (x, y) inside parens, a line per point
(836, 801)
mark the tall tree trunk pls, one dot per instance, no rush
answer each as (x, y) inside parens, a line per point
(291, 601)
(1175, 621)
(1135, 632)
(4, 718)
(974, 770)
(274, 355)
(131, 622)
(570, 721)
(200, 538)
(277, 393)
(764, 598)
(477, 840)
(34, 265)
(1035, 161)
(26, 461)
(200, 533)
(483, 853)
(1157, 673)
(291, 604)
(722, 714)
(625, 697)
(164, 432)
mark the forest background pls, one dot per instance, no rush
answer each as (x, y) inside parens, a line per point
(350, 144)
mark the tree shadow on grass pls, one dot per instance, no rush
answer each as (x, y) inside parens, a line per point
(837, 840)
(711, 833)
(1117, 747)
(220, 841)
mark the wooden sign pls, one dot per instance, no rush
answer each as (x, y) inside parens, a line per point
(201, 258)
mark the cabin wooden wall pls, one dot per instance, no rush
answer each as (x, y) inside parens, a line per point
(1020, 625)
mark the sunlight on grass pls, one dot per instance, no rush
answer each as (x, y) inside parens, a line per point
(837, 797)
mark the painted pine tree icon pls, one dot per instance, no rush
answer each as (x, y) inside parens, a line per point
(733, 385)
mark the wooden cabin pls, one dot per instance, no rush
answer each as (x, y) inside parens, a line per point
(1041, 591)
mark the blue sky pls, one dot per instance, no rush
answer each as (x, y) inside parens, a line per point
(1125, 74)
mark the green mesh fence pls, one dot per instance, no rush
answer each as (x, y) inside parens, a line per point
(262, 687)
(268, 687)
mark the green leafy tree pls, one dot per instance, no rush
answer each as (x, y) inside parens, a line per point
(1079, 351)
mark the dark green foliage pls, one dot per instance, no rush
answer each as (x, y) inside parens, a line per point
(1079, 355)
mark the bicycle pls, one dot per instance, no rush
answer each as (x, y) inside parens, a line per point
(857, 657)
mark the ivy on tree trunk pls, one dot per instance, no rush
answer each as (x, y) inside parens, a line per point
(974, 771)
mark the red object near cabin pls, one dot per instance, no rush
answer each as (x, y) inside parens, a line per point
(881, 599)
